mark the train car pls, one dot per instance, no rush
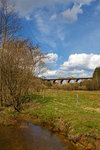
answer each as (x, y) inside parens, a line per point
(59, 77)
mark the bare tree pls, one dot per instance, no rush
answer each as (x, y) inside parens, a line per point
(9, 26)
(20, 61)
(9, 22)
(18, 74)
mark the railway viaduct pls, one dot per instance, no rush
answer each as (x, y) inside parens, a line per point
(67, 80)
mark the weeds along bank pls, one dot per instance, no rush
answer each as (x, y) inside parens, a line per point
(61, 111)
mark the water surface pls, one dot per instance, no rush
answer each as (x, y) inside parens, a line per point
(28, 136)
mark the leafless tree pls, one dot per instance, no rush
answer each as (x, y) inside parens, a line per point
(9, 26)
(19, 63)
(9, 22)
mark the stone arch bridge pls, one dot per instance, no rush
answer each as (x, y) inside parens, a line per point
(67, 80)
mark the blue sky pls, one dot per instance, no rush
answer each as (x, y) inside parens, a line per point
(68, 31)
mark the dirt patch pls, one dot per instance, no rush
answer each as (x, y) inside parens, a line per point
(91, 109)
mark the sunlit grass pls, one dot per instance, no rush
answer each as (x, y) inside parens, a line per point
(62, 104)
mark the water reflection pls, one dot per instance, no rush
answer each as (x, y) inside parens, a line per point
(30, 137)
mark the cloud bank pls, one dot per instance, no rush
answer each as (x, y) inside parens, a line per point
(80, 65)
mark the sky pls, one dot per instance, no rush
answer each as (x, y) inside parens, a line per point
(67, 31)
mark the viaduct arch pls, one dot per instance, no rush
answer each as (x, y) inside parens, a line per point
(68, 80)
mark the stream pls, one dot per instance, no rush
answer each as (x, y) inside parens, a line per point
(28, 136)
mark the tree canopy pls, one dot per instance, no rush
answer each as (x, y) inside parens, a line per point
(96, 72)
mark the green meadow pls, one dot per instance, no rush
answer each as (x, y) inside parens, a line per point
(73, 111)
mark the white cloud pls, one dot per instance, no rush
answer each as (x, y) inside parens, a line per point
(71, 15)
(80, 65)
(60, 34)
(84, 75)
(28, 18)
(82, 61)
(84, 2)
(50, 73)
(41, 23)
(54, 16)
(51, 58)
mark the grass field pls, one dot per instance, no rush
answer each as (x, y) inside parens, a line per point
(60, 108)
